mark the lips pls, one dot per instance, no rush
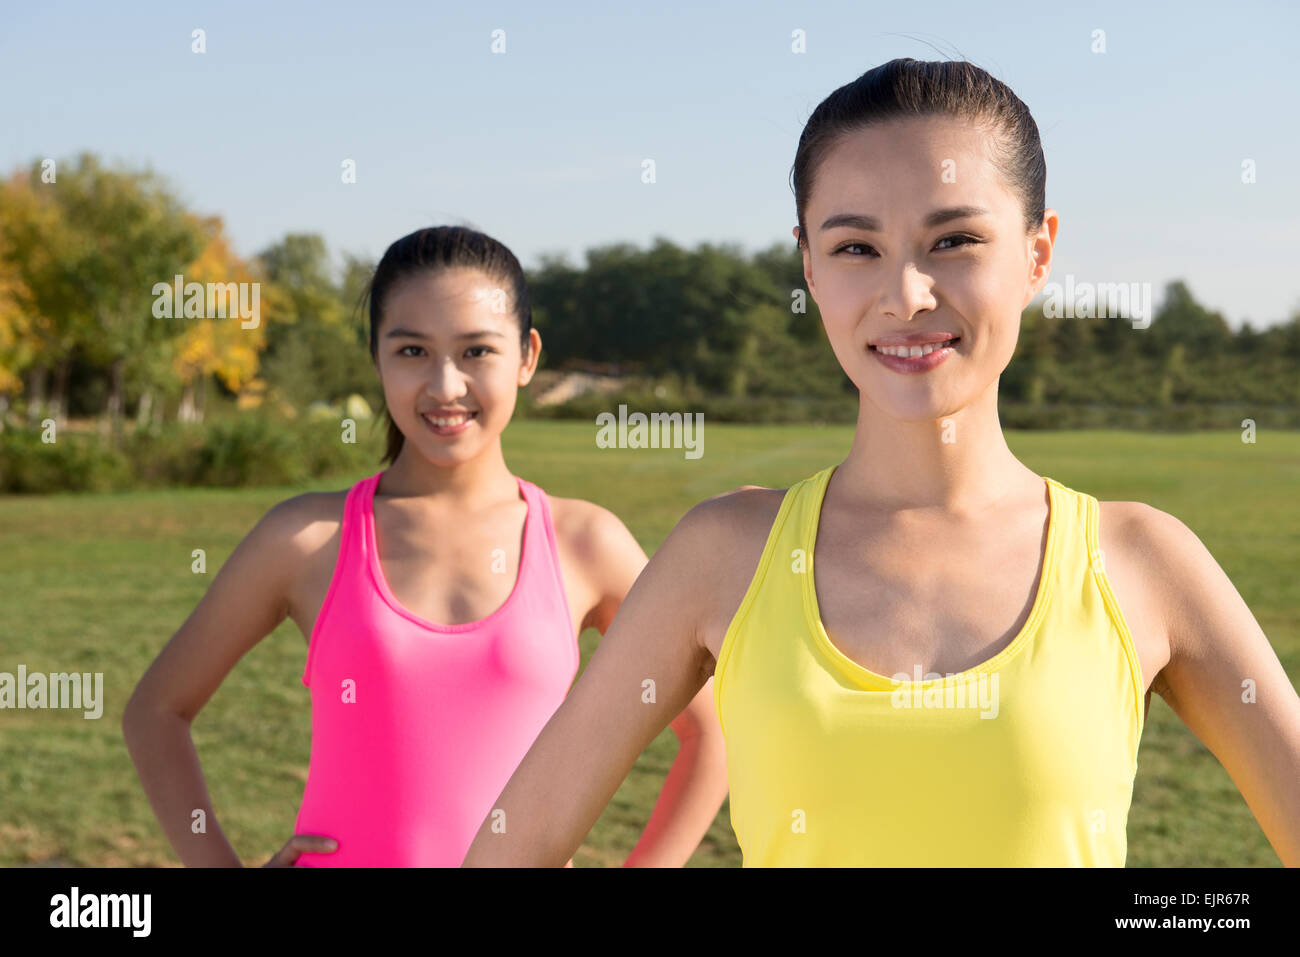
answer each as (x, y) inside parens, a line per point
(914, 349)
(448, 419)
(922, 354)
(915, 344)
(449, 423)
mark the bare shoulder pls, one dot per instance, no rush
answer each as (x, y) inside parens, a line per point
(587, 530)
(1151, 531)
(725, 534)
(719, 543)
(1152, 560)
(300, 536)
(584, 526)
(599, 556)
(1157, 541)
(305, 522)
(742, 513)
(705, 562)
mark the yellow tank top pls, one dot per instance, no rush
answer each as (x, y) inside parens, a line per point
(1024, 760)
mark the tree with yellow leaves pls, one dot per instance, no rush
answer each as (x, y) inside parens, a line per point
(213, 346)
(88, 242)
(17, 336)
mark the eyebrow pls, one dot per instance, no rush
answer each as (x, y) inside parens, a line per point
(400, 333)
(871, 224)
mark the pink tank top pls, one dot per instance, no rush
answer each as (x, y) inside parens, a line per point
(416, 727)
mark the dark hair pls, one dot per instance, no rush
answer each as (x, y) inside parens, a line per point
(432, 249)
(909, 88)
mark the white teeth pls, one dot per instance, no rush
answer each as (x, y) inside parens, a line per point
(912, 352)
(445, 423)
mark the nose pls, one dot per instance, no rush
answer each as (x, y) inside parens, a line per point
(906, 293)
(446, 383)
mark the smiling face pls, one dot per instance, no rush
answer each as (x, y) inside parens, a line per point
(451, 363)
(914, 238)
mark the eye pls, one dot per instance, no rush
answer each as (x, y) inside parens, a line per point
(845, 246)
(402, 351)
(967, 240)
(961, 239)
(486, 350)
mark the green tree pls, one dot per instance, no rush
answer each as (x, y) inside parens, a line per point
(316, 348)
(113, 233)
(1183, 320)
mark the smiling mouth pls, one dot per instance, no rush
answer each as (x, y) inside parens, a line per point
(912, 352)
(449, 421)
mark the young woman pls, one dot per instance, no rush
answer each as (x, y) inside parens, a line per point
(441, 600)
(925, 654)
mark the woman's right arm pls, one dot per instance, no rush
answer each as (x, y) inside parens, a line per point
(245, 602)
(647, 668)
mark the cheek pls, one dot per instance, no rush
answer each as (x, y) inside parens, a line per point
(493, 385)
(999, 318)
(841, 300)
(492, 377)
(398, 379)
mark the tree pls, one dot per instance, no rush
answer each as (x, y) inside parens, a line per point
(316, 349)
(1181, 320)
(214, 345)
(782, 263)
(40, 304)
(94, 243)
(17, 332)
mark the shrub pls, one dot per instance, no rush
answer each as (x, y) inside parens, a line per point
(246, 449)
(73, 462)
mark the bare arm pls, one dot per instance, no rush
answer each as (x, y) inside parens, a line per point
(246, 601)
(1223, 678)
(696, 784)
(692, 792)
(648, 668)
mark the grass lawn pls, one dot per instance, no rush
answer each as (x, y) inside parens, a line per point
(100, 582)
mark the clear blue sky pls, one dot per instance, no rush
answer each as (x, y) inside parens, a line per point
(542, 146)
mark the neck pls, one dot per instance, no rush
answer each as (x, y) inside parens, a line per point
(479, 479)
(959, 464)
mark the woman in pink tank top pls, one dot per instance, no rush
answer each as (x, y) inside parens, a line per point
(423, 708)
(417, 726)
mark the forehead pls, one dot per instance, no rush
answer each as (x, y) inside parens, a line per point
(908, 164)
(449, 293)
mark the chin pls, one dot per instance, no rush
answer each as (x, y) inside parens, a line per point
(914, 412)
(919, 405)
(446, 457)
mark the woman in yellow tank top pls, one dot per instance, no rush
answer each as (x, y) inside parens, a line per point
(892, 689)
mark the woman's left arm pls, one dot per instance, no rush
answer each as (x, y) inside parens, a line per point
(696, 784)
(1223, 678)
(693, 791)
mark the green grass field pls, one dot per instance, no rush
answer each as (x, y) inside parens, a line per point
(100, 583)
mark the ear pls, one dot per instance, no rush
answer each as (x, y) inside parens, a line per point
(529, 364)
(1041, 246)
(807, 263)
